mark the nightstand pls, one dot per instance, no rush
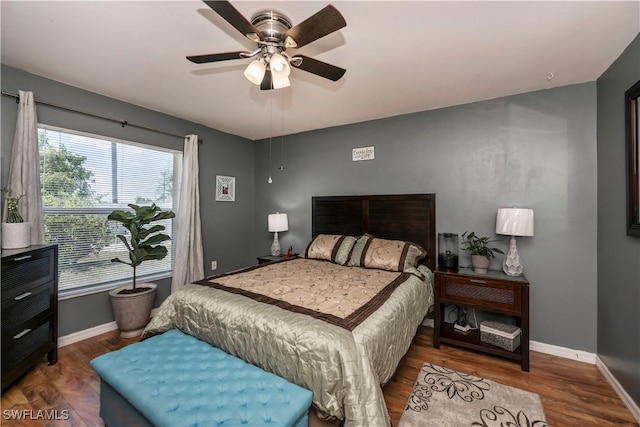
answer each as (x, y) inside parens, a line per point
(270, 258)
(494, 292)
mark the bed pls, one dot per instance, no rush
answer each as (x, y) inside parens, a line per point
(337, 320)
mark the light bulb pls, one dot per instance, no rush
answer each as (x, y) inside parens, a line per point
(279, 66)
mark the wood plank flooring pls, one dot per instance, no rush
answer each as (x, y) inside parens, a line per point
(573, 393)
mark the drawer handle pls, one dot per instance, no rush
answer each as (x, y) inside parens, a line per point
(21, 334)
(477, 281)
(21, 258)
(23, 296)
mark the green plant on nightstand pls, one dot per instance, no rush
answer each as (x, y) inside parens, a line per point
(481, 253)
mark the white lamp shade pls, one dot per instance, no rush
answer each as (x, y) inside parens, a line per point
(255, 72)
(281, 83)
(278, 222)
(514, 222)
(279, 66)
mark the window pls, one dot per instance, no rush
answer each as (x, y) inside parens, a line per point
(84, 177)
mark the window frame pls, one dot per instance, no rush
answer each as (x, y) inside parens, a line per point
(89, 289)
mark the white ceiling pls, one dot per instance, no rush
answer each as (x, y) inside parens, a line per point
(400, 57)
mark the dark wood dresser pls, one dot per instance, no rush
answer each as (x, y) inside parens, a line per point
(29, 309)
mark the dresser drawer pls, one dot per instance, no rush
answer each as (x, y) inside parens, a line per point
(25, 306)
(502, 297)
(23, 272)
(24, 343)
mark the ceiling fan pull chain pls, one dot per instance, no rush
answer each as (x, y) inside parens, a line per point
(282, 135)
(270, 135)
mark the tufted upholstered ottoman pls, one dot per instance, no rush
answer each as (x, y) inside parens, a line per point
(176, 380)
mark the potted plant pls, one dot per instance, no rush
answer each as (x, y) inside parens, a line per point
(15, 232)
(132, 304)
(481, 253)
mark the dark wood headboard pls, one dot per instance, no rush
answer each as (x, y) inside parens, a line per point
(409, 217)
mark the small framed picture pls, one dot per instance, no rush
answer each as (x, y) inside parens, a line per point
(225, 188)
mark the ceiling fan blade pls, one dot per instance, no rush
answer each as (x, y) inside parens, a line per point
(324, 22)
(235, 18)
(215, 57)
(266, 81)
(319, 68)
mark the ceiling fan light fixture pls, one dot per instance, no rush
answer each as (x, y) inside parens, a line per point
(274, 33)
(281, 83)
(279, 66)
(255, 71)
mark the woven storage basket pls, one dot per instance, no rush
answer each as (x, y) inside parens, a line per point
(500, 334)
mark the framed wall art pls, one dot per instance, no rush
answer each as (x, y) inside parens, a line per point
(225, 188)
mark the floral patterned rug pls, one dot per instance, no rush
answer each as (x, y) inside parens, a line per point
(443, 397)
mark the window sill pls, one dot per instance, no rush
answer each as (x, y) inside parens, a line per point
(77, 293)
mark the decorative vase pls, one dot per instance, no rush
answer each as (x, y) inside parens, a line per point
(15, 235)
(132, 311)
(480, 263)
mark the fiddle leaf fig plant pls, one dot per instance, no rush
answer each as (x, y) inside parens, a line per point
(13, 214)
(144, 242)
(478, 245)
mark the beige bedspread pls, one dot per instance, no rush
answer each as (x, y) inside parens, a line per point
(342, 355)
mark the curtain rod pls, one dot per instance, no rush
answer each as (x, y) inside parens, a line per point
(123, 123)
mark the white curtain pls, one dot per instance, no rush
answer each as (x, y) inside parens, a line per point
(189, 265)
(24, 172)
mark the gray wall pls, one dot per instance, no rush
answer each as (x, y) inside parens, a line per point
(535, 150)
(618, 254)
(226, 226)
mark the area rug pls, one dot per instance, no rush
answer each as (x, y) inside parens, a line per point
(443, 397)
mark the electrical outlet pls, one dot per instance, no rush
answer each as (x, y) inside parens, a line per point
(214, 265)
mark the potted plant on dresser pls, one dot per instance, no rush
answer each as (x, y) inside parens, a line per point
(481, 253)
(132, 304)
(15, 232)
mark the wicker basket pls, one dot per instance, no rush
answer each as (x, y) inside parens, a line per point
(500, 334)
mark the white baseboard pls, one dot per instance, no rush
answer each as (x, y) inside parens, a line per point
(91, 332)
(86, 334)
(624, 396)
(567, 353)
(591, 358)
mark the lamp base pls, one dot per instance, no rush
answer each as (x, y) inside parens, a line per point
(511, 264)
(275, 246)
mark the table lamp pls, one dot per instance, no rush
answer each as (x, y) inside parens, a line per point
(514, 222)
(277, 222)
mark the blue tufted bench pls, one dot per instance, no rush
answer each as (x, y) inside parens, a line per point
(176, 380)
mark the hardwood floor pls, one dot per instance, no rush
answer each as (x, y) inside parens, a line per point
(573, 393)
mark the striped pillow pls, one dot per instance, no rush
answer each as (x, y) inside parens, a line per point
(391, 255)
(330, 247)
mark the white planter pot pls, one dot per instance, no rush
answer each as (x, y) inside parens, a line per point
(132, 311)
(15, 235)
(480, 263)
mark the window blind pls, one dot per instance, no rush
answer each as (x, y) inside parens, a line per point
(84, 177)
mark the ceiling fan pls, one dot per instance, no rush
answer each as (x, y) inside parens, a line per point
(274, 34)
